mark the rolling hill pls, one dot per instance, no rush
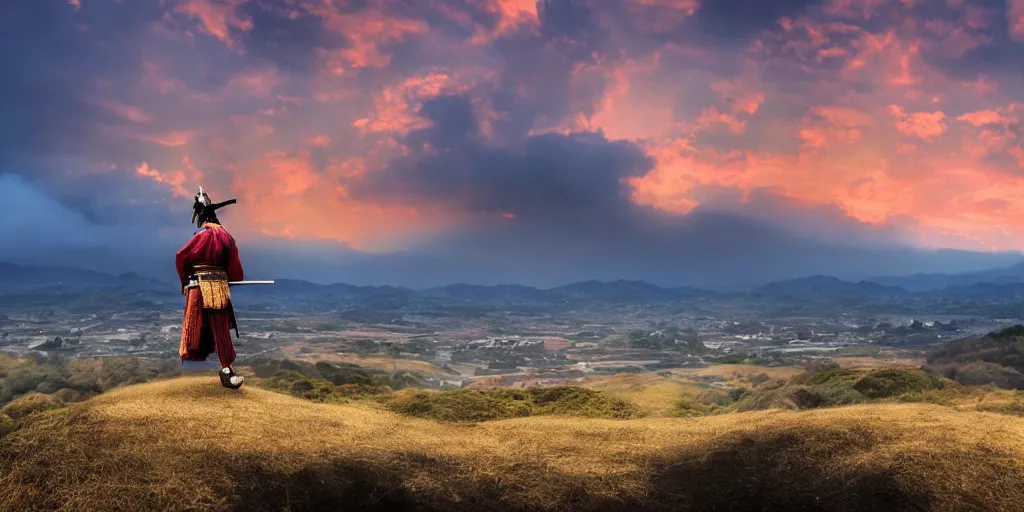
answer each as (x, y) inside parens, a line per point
(187, 444)
(828, 285)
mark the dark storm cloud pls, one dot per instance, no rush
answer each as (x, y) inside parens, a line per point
(739, 21)
(536, 83)
(542, 178)
(573, 218)
(291, 42)
(83, 107)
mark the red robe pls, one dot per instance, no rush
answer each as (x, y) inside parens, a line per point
(206, 330)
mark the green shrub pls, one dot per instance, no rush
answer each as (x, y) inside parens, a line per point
(338, 374)
(835, 387)
(890, 383)
(759, 379)
(688, 407)
(297, 384)
(781, 397)
(577, 401)
(737, 393)
(471, 405)
(825, 376)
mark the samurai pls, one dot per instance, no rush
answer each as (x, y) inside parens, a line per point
(206, 263)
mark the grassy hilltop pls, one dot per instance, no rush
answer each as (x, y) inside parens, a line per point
(187, 444)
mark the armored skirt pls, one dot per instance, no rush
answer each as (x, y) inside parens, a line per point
(205, 265)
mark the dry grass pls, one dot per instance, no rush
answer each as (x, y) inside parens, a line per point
(876, 362)
(654, 394)
(30, 403)
(188, 444)
(385, 363)
(739, 375)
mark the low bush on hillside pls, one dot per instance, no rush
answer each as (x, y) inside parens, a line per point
(338, 374)
(36, 383)
(825, 385)
(889, 383)
(709, 402)
(318, 389)
(774, 359)
(76, 380)
(996, 358)
(472, 405)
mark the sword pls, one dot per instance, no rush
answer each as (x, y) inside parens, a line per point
(194, 283)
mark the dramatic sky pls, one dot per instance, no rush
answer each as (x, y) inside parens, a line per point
(422, 142)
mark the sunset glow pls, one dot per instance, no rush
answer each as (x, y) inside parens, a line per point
(318, 115)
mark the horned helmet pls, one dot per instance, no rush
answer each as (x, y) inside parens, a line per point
(205, 210)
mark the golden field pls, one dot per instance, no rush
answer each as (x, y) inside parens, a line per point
(188, 444)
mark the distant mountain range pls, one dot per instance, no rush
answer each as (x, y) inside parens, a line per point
(1014, 274)
(828, 285)
(1005, 283)
(23, 278)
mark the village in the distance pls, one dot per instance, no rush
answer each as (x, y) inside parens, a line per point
(516, 336)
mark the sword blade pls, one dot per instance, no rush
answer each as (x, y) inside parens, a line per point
(244, 283)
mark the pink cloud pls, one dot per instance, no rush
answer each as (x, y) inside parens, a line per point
(977, 17)
(985, 117)
(175, 138)
(319, 141)
(174, 179)
(127, 112)
(839, 105)
(1015, 18)
(862, 9)
(216, 18)
(367, 32)
(922, 125)
(395, 107)
(661, 16)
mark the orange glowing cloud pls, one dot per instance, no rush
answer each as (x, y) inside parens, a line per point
(174, 179)
(395, 107)
(319, 141)
(284, 195)
(624, 111)
(367, 32)
(832, 125)
(515, 13)
(216, 18)
(923, 125)
(995, 132)
(949, 191)
(838, 104)
(984, 117)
